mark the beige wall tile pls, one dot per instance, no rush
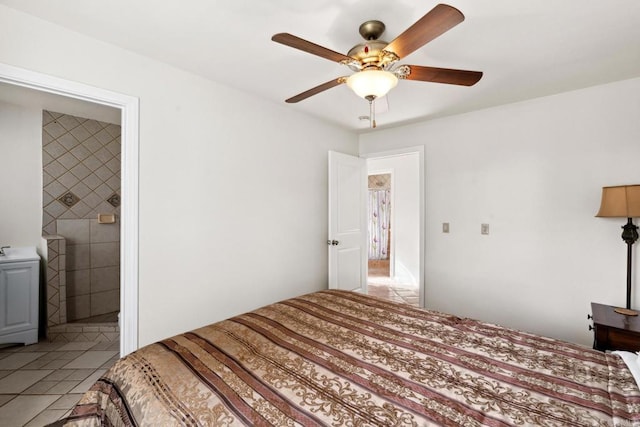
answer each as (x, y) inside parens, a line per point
(78, 257)
(105, 302)
(49, 228)
(104, 233)
(75, 231)
(105, 254)
(105, 279)
(78, 283)
(78, 307)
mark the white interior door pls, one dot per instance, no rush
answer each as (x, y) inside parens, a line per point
(347, 240)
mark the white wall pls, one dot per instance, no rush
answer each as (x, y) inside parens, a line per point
(534, 172)
(20, 176)
(405, 210)
(233, 190)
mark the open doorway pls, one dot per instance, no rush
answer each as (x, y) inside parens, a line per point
(394, 231)
(51, 89)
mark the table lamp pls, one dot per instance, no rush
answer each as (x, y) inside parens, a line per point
(623, 201)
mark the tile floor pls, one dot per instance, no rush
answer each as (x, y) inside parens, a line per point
(40, 383)
(381, 285)
(101, 318)
(407, 295)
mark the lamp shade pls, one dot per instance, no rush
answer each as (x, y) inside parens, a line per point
(375, 83)
(621, 201)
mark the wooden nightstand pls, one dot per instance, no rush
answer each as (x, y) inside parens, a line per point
(613, 331)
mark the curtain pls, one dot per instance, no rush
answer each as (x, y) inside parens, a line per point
(379, 214)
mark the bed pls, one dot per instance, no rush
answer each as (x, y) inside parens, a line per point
(345, 359)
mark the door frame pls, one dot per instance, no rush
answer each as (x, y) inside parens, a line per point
(419, 149)
(130, 125)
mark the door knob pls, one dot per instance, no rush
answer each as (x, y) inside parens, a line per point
(333, 242)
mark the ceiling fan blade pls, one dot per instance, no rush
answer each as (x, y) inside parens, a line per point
(436, 22)
(306, 46)
(443, 75)
(316, 90)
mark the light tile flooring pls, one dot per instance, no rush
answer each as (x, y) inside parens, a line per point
(379, 284)
(101, 318)
(40, 383)
(407, 295)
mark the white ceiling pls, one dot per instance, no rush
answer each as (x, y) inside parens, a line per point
(526, 49)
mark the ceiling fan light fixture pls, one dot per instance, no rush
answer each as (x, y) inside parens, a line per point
(372, 83)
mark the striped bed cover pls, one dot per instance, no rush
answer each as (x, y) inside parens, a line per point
(345, 359)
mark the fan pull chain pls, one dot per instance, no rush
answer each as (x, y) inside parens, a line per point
(372, 113)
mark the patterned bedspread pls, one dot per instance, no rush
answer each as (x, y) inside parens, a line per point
(345, 359)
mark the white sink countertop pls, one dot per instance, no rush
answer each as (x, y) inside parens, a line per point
(19, 254)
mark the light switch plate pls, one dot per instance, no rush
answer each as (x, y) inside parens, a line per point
(484, 228)
(445, 227)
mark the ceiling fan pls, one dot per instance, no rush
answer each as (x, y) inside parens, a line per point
(375, 61)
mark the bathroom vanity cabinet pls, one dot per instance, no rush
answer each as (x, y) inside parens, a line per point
(19, 295)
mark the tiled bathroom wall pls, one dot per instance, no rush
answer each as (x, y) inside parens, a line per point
(93, 267)
(56, 281)
(81, 179)
(81, 168)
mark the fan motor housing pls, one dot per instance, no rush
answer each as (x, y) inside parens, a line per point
(368, 53)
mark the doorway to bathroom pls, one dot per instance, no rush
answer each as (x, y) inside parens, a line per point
(394, 230)
(48, 93)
